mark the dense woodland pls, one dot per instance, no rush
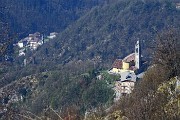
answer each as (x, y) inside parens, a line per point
(111, 31)
(92, 34)
(29, 16)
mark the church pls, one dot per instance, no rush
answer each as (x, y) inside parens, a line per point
(129, 68)
(131, 63)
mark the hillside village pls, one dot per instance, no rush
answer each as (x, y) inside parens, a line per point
(117, 61)
(33, 41)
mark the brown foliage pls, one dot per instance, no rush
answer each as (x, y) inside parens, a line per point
(145, 103)
(167, 53)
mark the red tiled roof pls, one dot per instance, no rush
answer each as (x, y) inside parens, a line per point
(117, 64)
(129, 58)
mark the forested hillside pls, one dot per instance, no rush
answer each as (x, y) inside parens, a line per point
(29, 16)
(99, 37)
(111, 31)
(156, 96)
(92, 34)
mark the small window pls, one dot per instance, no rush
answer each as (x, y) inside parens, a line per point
(136, 50)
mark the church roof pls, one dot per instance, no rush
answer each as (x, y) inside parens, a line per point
(129, 58)
(117, 64)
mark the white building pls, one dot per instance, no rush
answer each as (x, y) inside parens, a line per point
(52, 35)
(22, 52)
(22, 43)
(127, 86)
(177, 5)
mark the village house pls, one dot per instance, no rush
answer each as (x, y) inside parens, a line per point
(127, 86)
(52, 35)
(177, 5)
(22, 43)
(22, 52)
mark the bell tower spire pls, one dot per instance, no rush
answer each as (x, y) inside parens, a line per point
(137, 55)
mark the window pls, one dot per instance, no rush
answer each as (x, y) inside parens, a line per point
(136, 50)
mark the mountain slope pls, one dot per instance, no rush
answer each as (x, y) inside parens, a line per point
(99, 36)
(112, 30)
(29, 16)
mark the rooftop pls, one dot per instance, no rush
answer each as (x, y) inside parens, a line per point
(117, 64)
(129, 58)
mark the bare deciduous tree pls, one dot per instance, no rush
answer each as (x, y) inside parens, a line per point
(167, 53)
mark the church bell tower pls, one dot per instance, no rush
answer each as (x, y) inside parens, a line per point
(137, 55)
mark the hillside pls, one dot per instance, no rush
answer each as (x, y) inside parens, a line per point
(65, 69)
(111, 31)
(100, 36)
(29, 16)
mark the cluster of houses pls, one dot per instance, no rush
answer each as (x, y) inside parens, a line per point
(129, 70)
(33, 41)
